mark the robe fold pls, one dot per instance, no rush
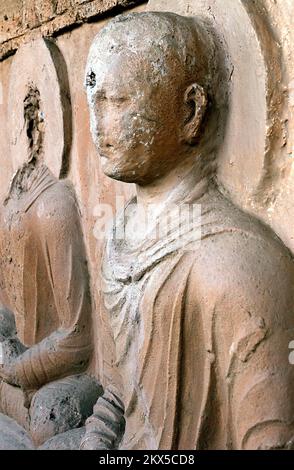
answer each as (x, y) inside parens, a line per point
(44, 279)
(196, 332)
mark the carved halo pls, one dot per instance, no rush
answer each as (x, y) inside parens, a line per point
(39, 66)
(246, 157)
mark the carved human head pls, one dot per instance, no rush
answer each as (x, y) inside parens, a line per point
(150, 81)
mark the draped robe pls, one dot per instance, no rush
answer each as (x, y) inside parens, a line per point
(44, 279)
(195, 335)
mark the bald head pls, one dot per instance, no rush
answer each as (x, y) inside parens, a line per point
(169, 42)
(149, 81)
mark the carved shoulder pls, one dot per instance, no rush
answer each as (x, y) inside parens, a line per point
(57, 207)
(243, 269)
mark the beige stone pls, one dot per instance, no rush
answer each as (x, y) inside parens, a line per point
(42, 67)
(27, 19)
(255, 172)
(257, 155)
(195, 320)
(44, 275)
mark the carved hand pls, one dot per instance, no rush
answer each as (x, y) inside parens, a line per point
(94, 442)
(105, 428)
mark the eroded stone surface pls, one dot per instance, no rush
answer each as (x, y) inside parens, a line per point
(13, 436)
(44, 386)
(189, 369)
(39, 123)
(274, 205)
(69, 440)
(23, 20)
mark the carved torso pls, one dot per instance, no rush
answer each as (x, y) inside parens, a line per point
(44, 278)
(188, 322)
(23, 257)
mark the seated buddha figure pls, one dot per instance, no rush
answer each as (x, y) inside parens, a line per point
(45, 322)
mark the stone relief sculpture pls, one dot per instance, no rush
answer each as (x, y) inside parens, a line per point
(45, 326)
(196, 330)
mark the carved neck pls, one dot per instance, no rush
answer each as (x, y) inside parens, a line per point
(181, 180)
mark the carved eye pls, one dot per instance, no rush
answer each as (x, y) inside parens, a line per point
(91, 79)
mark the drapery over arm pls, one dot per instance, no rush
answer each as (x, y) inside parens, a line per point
(243, 283)
(105, 428)
(255, 323)
(261, 397)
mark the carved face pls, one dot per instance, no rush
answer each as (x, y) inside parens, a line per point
(146, 78)
(136, 117)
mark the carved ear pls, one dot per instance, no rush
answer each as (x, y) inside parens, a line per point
(196, 104)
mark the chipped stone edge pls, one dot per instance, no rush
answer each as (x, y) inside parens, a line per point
(68, 20)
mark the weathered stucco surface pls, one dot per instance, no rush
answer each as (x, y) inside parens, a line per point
(256, 161)
(23, 19)
(91, 186)
(84, 168)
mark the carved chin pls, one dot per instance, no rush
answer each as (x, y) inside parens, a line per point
(112, 170)
(124, 171)
(119, 175)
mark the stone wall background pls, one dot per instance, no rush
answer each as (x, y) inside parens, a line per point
(21, 20)
(73, 24)
(278, 210)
